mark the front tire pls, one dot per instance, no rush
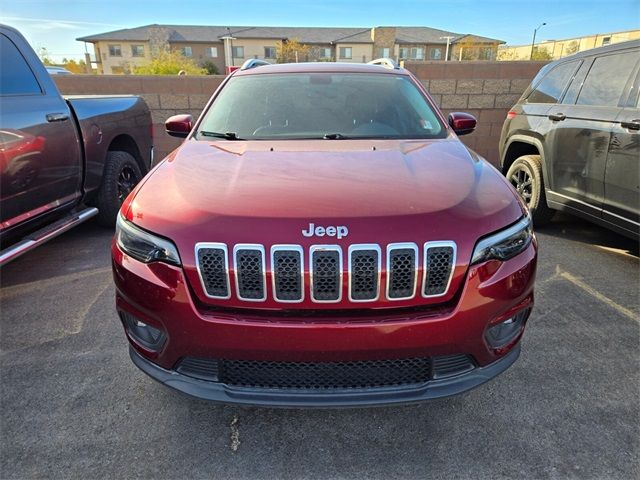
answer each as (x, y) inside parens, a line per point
(121, 174)
(525, 174)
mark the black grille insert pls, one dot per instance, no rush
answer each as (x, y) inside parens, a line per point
(202, 368)
(213, 269)
(327, 274)
(250, 273)
(331, 375)
(402, 272)
(365, 266)
(287, 275)
(438, 269)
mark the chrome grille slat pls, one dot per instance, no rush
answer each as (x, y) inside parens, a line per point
(325, 271)
(439, 260)
(364, 272)
(287, 273)
(402, 270)
(249, 263)
(213, 269)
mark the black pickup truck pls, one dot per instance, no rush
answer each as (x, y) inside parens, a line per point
(63, 160)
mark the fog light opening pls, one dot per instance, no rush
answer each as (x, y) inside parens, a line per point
(146, 335)
(505, 333)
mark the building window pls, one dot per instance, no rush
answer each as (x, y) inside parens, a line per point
(404, 52)
(211, 52)
(385, 52)
(436, 54)
(486, 53)
(186, 51)
(137, 50)
(417, 53)
(325, 52)
(345, 52)
(115, 51)
(269, 52)
(237, 52)
(606, 40)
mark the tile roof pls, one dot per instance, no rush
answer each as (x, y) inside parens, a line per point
(201, 33)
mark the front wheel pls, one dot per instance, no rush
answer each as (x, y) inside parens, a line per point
(121, 174)
(525, 174)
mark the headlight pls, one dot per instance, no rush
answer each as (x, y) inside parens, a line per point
(505, 244)
(144, 246)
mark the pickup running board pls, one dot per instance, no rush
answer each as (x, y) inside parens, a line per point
(45, 234)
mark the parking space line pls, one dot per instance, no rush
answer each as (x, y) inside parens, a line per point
(594, 293)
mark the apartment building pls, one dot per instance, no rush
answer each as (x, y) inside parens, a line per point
(119, 51)
(555, 49)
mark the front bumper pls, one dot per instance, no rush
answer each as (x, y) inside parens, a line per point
(218, 392)
(159, 295)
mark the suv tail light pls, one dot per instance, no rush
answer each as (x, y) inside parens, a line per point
(511, 114)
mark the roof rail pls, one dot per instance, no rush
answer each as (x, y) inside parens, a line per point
(253, 63)
(385, 62)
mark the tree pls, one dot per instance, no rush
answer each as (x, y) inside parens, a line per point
(210, 67)
(43, 53)
(572, 48)
(169, 63)
(466, 49)
(73, 66)
(540, 53)
(289, 51)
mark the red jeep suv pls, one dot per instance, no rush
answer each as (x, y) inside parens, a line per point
(322, 238)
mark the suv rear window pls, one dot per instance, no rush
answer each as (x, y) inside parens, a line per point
(312, 105)
(607, 78)
(553, 84)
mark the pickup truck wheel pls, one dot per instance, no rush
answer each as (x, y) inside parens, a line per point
(525, 174)
(121, 174)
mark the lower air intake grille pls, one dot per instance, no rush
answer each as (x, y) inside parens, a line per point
(287, 272)
(327, 270)
(448, 365)
(439, 265)
(402, 272)
(213, 270)
(250, 273)
(334, 375)
(202, 368)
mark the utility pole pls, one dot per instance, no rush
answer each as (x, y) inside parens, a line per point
(446, 54)
(533, 42)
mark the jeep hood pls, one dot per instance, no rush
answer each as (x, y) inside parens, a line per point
(267, 192)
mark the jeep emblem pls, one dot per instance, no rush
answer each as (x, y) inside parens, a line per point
(339, 231)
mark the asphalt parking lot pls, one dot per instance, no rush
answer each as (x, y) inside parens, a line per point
(74, 406)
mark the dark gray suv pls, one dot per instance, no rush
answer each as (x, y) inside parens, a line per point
(572, 142)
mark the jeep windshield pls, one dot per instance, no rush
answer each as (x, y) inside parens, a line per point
(329, 106)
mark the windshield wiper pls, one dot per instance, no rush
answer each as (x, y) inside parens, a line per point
(226, 136)
(334, 136)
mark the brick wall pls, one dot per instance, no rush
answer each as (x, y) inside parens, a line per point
(484, 89)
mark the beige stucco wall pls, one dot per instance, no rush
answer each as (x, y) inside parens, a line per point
(125, 61)
(253, 48)
(562, 48)
(360, 52)
(199, 53)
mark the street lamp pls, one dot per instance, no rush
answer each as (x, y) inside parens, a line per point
(533, 42)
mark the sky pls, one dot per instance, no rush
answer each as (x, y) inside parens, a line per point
(55, 24)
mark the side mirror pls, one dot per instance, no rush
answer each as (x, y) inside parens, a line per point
(462, 123)
(179, 125)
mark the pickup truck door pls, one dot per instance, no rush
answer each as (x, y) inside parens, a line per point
(40, 156)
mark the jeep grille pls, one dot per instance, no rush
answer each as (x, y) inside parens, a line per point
(286, 269)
